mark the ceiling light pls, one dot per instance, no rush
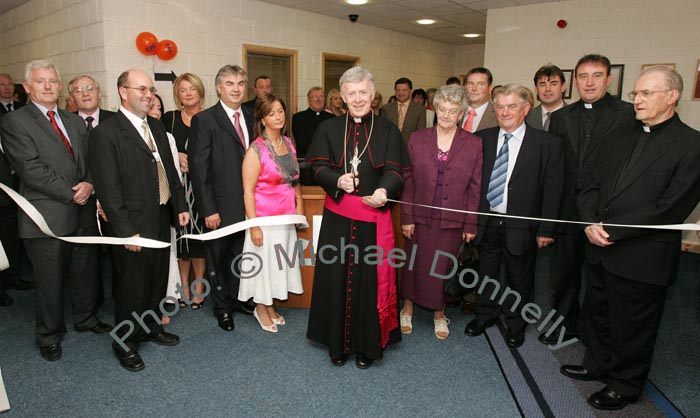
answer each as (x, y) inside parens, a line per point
(425, 21)
(356, 2)
(471, 35)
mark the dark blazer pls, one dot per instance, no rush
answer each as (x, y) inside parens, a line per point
(534, 188)
(251, 105)
(6, 178)
(126, 176)
(534, 117)
(105, 114)
(45, 169)
(663, 187)
(414, 120)
(566, 124)
(461, 180)
(215, 158)
(15, 105)
(304, 125)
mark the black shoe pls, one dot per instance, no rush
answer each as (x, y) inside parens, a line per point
(608, 400)
(51, 352)
(246, 308)
(99, 328)
(515, 339)
(553, 338)
(578, 373)
(164, 338)
(20, 284)
(5, 299)
(340, 360)
(131, 361)
(225, 321)
(363, 362)
(476, 327)
(468, 306)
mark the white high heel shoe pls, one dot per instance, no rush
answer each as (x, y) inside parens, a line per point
(279, 320)
(269, 328)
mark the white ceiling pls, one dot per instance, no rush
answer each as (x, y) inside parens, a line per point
(453, 17)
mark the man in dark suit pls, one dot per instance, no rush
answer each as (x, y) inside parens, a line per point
(522, 175)
(7, 95)
(582, 126)
(9, 235)
(648, 174)
(140, 191)
(550, 86)
(404, 113)
(219, 138)
(305, 123)
(261, 87)
(480, 114)
(48, 149)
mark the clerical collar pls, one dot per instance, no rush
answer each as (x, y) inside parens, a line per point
(364, 118)
(597, 104)
(660, 126)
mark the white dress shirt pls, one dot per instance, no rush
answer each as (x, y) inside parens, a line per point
(514, 145)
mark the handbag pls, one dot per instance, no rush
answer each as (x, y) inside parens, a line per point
(467, 258)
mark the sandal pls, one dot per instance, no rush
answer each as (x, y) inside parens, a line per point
(181, 303)
(279, 320)
(197, 305)
(441, 329)
(406, 324)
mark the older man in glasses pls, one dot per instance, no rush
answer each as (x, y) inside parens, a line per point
(648, 175)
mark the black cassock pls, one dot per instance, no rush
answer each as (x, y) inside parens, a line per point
(343, 313)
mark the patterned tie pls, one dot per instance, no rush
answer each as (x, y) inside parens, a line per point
(163, 188)
(470, 121)
(88, 121)
(237, 126)
(547, 119)
(9, 107)
(403, 107)
(52, 118)
(499, 174)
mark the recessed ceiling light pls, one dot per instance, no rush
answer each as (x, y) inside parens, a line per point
(471, 35)
(356, 2)
(425, 21)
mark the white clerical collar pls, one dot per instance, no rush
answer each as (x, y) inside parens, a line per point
(646, 129)
(588, 105)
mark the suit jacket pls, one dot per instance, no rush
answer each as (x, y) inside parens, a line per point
(15, 105)
(488, 120)
(215, 158)
(663, 187)
(461, 183)
(304, 125)
(534, 117)
(45, 169)
(251, 105)
(7, 178)
(126, 176)
(566, 124)
(534, 187)
(414, 120)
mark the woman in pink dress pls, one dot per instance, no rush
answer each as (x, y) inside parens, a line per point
(270, 187)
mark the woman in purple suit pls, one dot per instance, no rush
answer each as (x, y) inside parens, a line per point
(446, 172)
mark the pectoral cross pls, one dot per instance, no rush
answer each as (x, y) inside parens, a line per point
(355, 161)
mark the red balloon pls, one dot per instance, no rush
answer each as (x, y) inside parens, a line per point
(147, 43)
(166, 50)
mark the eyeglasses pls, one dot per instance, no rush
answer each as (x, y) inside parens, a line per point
(143, 89)
(317, 97)
(89, 88)
(644, 94)
(450, 112)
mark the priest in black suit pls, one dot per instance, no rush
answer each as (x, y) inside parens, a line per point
(140, 191)
(522, 175)
(7, 95)
(219, 138)
(305, 123)
(648, 174)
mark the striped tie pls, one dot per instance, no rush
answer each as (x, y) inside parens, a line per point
(499, 175)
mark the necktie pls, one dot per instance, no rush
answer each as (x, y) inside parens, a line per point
(499, 174)
(52, 118)
(470, 121)
(237, 126)
(547, 119)
(9, 107)
(402, 114)
(89, 120)
(163, 188)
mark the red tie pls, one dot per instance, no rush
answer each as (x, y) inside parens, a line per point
(237, 126)
(470, 121)
(52, 118)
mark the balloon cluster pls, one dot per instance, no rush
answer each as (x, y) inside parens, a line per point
(148, 44)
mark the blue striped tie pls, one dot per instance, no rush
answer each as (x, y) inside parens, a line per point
(499, 175)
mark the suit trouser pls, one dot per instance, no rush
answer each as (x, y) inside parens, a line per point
(520, 277)
(9, 235)
(142, 285)
(565, 274)
(620, 321)
(54, 261)
(220, 256)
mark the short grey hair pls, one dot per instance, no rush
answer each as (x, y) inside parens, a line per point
(522, 92)
(674, 81)
(356, 74)
(33, 65)
(454, 94)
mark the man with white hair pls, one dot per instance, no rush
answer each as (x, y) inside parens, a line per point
(358, 160)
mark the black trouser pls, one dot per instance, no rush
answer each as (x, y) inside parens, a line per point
(620, 322)
(520, 276)
(565, 274)
(220, 256)
(9, 235)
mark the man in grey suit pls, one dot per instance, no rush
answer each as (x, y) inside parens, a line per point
(405, 114)
(480, 114)
(48, 148)
(550, 86)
